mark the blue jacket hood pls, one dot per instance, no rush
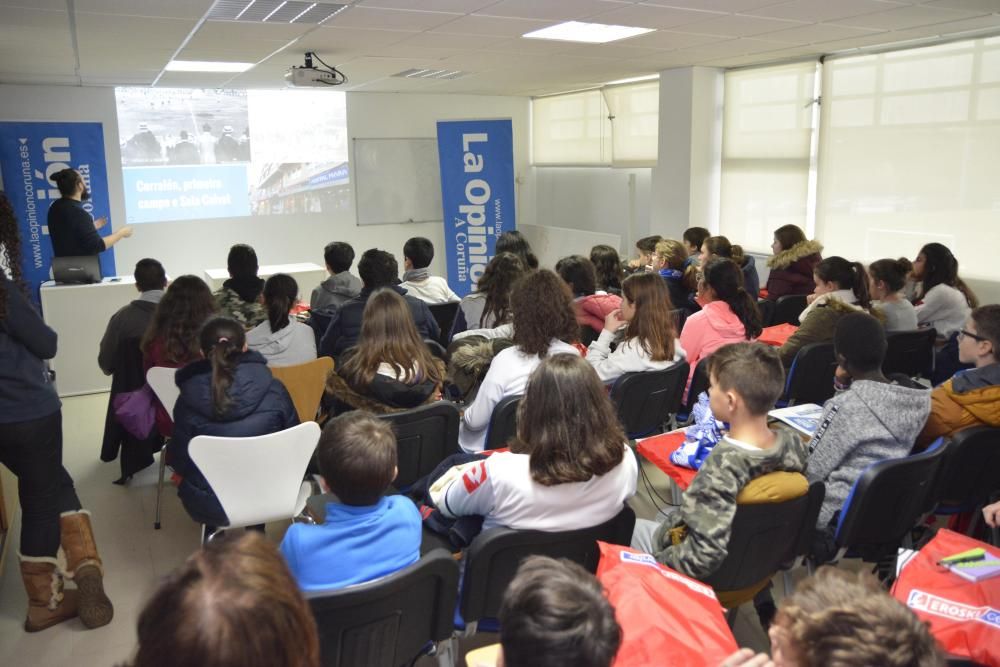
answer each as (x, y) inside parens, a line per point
(251, 384)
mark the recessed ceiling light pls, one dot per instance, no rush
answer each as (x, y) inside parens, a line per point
(206, 66)
(592, 33)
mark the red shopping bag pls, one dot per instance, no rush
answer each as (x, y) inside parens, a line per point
(964, 616)
(666, 618)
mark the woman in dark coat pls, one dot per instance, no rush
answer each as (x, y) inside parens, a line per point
(793, 263)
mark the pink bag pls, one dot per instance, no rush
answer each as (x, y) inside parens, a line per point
(136, 411)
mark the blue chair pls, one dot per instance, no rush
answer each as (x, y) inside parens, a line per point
(970, 474)
(810, 379)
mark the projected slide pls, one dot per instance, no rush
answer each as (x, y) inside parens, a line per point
(191, 154)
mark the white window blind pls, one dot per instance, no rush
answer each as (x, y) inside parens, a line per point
(571, 130)
(635, 111)
(908, 154)
(767, 141)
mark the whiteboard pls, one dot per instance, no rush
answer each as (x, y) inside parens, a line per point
(398, 180)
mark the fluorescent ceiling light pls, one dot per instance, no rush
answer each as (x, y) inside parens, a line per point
(206, 66)
(634, 79)
(592, 33)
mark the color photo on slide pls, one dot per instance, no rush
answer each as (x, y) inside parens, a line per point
(188, 153)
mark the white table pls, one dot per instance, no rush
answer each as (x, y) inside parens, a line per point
(306, 274)
(80, 314)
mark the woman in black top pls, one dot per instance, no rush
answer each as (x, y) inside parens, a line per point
(31, 447)
(72, 230)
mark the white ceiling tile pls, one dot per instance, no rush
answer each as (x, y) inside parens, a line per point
(113, 58)
(861, 41)
(549, 10)
(218, 34)
(732, 48)
(17, 61)
(389, 19)
(58, 5)
(725, 6)
(990, 22)
(35, 28)
(818, 11)
(735, 25)
(651, 16)
(906, 17)
(455, 41)
(192, 80)
(251, 51)
(612, 51)
(184, 9)
(521, 45)
(669, 39)
(458, 6)
(408, 51)
(491, 26)
(819, 32)
(978, 6)
(329, 39)
(131, 32)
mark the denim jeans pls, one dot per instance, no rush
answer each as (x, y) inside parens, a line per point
(33, 452)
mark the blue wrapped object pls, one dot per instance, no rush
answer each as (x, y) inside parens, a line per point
(700, 437)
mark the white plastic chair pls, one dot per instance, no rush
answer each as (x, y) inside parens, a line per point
(161, 381)
(257, 479)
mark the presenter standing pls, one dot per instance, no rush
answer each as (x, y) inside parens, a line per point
(73, 231)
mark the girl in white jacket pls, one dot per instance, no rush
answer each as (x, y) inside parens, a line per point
(944, 301)
(644, 328)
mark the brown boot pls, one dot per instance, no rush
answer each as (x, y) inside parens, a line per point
(47, 603)
(83, 566)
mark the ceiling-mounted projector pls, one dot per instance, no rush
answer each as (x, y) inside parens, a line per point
(310, 76)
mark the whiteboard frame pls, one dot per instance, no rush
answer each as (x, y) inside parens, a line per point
(357, 182)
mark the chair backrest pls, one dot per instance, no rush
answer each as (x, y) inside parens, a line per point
(788, 308)
(810, 379)
(909, 352)
(425, 436)
(161, 381)
(680, 316)
(256, 479)
(766, 308)
(503, 423)
(887, 500)
(699, 384)
(386, 623)
(444, 315)
(436, 349)
(646, 400)
(767, 534)
(970, 473)
(491, 561)
(305, 384)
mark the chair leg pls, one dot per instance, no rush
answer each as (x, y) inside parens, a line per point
(787, 583)
(731, 616)
(447, 652)
(159, 486)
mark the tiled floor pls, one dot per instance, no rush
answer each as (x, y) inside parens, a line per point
(136, 556)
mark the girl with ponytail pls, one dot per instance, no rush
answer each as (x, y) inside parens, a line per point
(728, 313)
(841, 288)
(887, 278)
(230, 393)
(283, 340)
(719, 246)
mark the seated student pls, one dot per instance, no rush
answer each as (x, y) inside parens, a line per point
(342, 285)
(591, 307)
(417, 280)
(569, 466)
(366, 534)
(230, 393)
(171, 340)
(943, 300)
(377, 269)
(645, 248)
(240, 296)
(609, 269)
(233, 602)
(837, 617)
(514, 242)
(792, 264)
(131, 321)
(991, 515)
(643, 329)
(719, 246)
(728, 314)
(489, 305)
(693, 239)
(887, 278)
(670, 262)
(390, 368)
(543, 324)
(841, 287)
(971, 397)
(554, 613)
(871, 419)
(282, 340)
(746, 380)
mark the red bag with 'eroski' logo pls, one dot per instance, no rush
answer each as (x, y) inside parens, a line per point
(964, 616)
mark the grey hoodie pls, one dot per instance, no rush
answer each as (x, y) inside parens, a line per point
(870, 422)
(334, 291)
(295, 344)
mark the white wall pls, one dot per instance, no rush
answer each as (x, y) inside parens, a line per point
(194, 245)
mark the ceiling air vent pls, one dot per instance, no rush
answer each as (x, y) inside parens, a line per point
(431, 74)
(273, 11)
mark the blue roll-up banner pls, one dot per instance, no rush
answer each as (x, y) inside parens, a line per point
(29, 154)
(477, 194)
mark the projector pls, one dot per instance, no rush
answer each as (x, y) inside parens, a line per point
(309, 76)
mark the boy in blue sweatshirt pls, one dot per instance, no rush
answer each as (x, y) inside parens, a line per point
(366, 535)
